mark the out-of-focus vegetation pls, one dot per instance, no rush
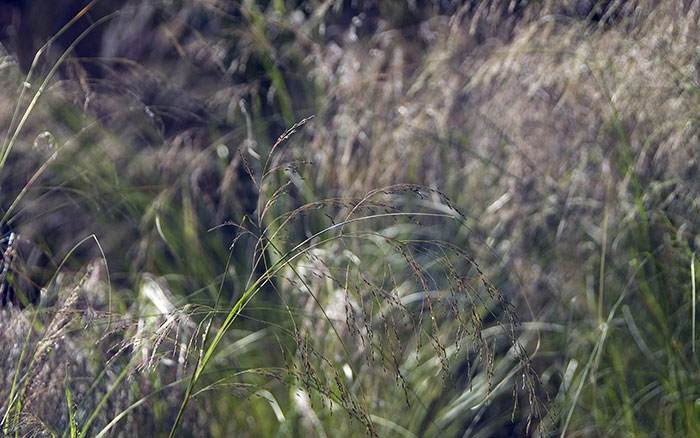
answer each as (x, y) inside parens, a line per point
(487, 228)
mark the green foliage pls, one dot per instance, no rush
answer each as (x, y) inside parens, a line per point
(480, 219)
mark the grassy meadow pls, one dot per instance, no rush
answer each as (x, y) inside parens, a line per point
(292, 218)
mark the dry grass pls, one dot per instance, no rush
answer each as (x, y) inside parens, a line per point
(536, 163)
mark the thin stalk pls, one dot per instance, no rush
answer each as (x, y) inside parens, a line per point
(71, 412)
(601, 275)
(7, 148)
(104, 399)
(38, 55)
(692, 284)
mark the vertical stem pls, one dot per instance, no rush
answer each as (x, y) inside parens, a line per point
(692, 285)
(601, 278)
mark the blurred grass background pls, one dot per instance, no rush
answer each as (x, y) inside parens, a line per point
(561, 138)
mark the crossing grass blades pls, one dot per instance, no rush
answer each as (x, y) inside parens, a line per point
(368, 293)
(359, 312)
(352, 313)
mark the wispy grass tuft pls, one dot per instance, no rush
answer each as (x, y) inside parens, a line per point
(494, 201)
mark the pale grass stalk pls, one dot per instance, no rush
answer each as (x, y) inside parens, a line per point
(692, 284)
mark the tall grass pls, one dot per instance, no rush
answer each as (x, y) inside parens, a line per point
(495, 201)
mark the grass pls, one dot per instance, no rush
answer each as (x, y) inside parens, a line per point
(292, 218)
